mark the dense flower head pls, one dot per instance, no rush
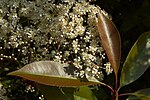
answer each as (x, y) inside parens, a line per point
(65, 32)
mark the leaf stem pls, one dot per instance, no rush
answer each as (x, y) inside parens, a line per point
(124, 94)
(116, 95)
(116, 80)
(116, 86)
(108, 87)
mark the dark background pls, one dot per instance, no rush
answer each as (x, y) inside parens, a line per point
(132, 18)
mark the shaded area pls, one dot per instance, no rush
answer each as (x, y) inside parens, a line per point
(132, 18)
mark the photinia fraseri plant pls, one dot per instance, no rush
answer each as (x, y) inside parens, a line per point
(50, 73)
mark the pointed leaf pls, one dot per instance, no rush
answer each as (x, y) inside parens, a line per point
(52, 73)
(143, 94)
(110, 39)
(137, 61)
(84, 93)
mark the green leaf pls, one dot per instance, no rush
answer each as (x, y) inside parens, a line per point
(143, 94)
(56, 93)
(53, 73)
(84, 93)
(110, 39)
(137, 61)
(66, 93)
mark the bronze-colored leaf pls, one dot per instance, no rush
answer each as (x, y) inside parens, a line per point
(53, 74)
(110, 39)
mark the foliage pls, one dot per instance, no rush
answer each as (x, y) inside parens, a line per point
(138, 56)
(65, 32)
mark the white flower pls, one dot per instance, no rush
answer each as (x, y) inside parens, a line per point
(86, 56)
(92, 49)
(77, 64)
(75, 46)
(79, 30)
(64, 32)
(87, 38)
(108, 68)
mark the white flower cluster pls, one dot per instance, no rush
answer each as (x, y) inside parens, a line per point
(43, 30)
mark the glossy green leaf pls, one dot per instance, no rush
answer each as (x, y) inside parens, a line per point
(110, 39)
(143, 94)
(53, 73)
(84, 93)
(137, 61)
